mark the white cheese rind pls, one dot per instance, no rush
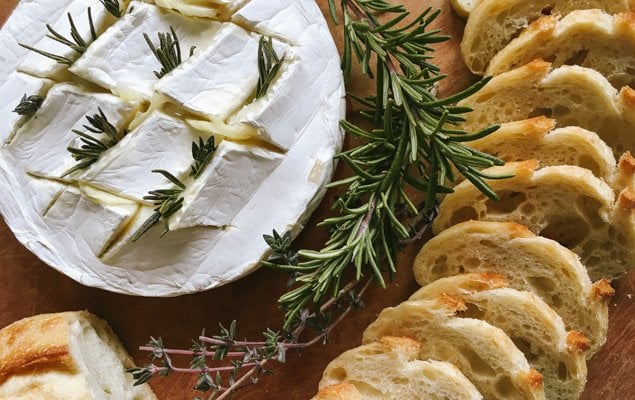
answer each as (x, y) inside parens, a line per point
(220, 79)
(39, 65)
(234, 174)
(195, 259)
(208, 9)
(160, 142)
(11, 92)
(40, 146)
(26, 25)
(120, 60)
(82, 220)
(285, 19)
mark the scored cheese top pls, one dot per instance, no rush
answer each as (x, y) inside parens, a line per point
(273, 154)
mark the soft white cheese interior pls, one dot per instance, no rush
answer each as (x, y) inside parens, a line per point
(273, 156)
(121, 60)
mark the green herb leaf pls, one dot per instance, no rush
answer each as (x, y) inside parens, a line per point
(76, 42)
(268, 65)
(28, 106)
(202, 154)
(113, 7)
(168, 53)
(94, 146)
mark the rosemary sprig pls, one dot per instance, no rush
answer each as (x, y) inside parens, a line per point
(167, 203)
(202, 154)
(29, 105)
(268, 65)
(76, 41)
(93, 147)
(168, 53)
(416, 146)
(113, 7)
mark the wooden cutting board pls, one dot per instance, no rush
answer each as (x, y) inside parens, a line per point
(29, 287)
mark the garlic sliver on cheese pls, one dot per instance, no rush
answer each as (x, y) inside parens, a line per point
(160, 142)
(16, 86)
(225, 186)
(220, 79)
(121, 60)
(42, 66)
(40, 145)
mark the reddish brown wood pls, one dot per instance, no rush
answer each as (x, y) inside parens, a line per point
(29, 287)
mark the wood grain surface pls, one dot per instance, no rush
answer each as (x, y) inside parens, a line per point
(30, 287)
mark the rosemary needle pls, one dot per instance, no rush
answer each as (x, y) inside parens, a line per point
(113, 7)
(29, 105)
(268, 65)
(76, 42)
(168, 52)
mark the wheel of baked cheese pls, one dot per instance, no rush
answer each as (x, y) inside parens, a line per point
(151, 158)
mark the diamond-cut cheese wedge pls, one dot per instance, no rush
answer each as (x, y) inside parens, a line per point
(160, 142)
(27, 25)
(11, 92)
(39, 65)
(220, 79)
(94, 224)
(40, 145)
(121, 60)
(280, 18)
(202, 8)
(225, 186)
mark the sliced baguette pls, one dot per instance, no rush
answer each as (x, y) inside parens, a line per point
(564, 203)
(388, 369)
(572, 95)
(340, 391)
(532, 325)
(65, 356)
(589, 38)
(483, 353)
(494, 23)
(528, 262)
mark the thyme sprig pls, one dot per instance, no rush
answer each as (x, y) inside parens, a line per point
(269, 63)
(224, 363)
(113, 7)
(415, 147)
(168, 52)
(94, 146)
(29, 105)
(167, 202)
(76, 42)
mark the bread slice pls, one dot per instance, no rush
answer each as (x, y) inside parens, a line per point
(65, 356)
(528, 262)
(532, 325)
(483, 353)
(388, 369)
(564, 203)
(494, 23)
(572, 95)
(340, 391)
(463, 7)
(588, 38)
(538, 139)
